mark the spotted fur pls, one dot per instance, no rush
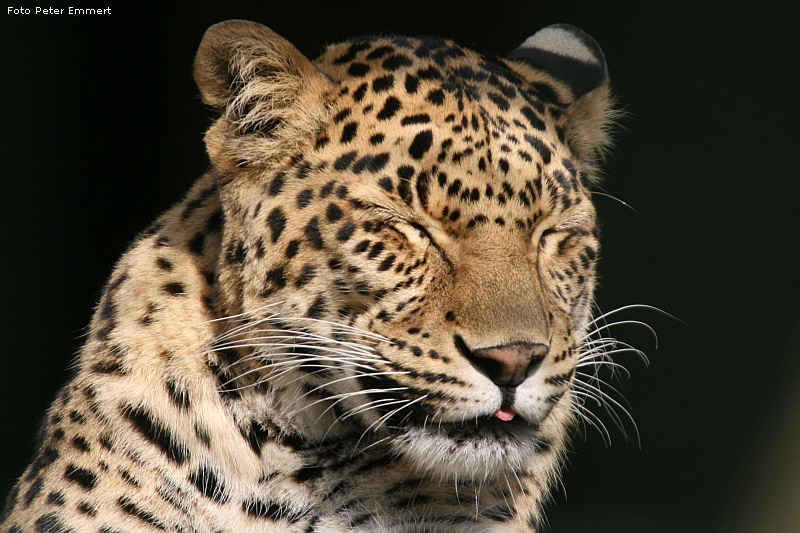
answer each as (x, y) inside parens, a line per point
(295, 345)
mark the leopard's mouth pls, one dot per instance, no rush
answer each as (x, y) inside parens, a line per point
(489, 426)
(484, 428)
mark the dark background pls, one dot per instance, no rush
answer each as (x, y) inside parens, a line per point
(102, 129)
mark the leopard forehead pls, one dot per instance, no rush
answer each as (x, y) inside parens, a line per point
(450, 135)
(439, 134)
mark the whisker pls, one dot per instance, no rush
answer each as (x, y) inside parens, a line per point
(244, 315)
(311, 340)
(623, 203)
(629, 307)
(611, 364)
(385, 417)
(592, 419)
(345, 395)
(604, 399)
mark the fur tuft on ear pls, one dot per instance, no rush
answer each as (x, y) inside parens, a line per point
(567, 67)
(270, 97)
(590, 121)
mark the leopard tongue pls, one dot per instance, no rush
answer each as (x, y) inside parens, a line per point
(506, 414)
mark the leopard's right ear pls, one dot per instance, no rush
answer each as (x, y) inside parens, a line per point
(566, 66)
(270, 96)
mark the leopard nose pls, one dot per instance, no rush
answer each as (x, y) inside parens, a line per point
(510, 364)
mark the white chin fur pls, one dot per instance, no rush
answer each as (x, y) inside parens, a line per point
(478, 458)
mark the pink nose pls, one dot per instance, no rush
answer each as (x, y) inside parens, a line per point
(510, 364)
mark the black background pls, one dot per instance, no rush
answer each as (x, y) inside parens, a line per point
(102, 129)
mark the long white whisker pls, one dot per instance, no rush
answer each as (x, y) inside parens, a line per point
(626, 322)
(592, 419)
(346, 395)
(318, 342)
(386, 417)
(605, 399)
(345, 358)
(627, 308)
(594, 364)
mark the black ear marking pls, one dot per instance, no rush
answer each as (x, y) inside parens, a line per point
(566, 53)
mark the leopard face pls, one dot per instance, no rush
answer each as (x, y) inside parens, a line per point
(410, 236)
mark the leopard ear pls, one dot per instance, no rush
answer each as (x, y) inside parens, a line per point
(270, 97)
(567, 67)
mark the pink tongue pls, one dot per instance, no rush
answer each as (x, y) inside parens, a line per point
(505, 414)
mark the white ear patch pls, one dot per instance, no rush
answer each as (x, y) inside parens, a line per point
(561, 40)
(566, 53)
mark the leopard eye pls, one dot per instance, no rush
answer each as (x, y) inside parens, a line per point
(557, 242)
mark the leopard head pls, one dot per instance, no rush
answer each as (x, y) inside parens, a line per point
(409, 234)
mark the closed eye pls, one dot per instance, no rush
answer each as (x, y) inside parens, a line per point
(385, 213)
(427, 234)
(423, 231)
(390, 215)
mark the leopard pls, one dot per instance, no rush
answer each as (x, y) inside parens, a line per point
(366, 315)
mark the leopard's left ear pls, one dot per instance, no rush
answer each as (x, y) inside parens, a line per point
(567, 66)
